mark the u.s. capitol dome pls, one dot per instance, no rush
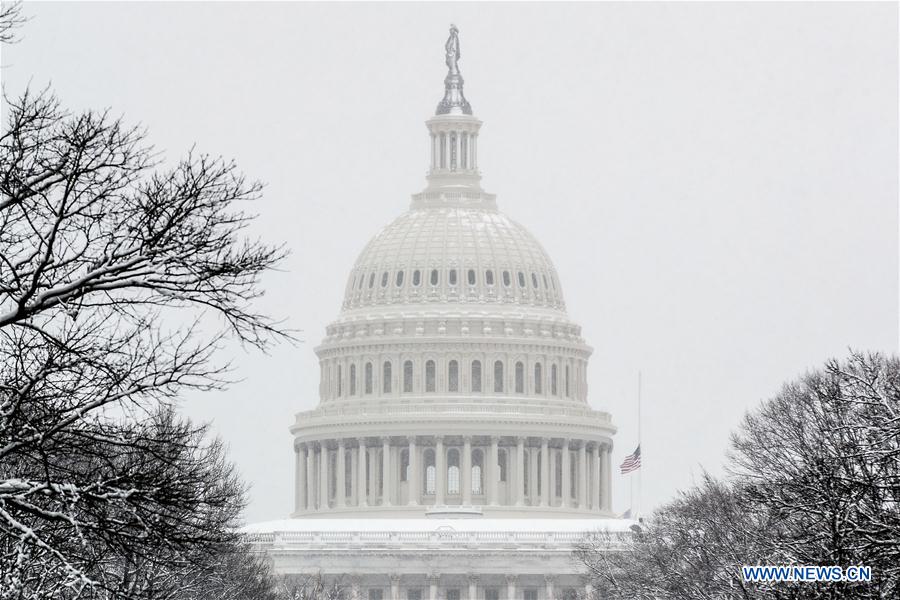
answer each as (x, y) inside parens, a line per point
(453, 398)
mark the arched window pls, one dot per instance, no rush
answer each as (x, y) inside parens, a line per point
(368, 388)
(429, 376)
(506, 279)
(417, 277)
(568, 395)
(501, 463)
(453, 471)
(453, 376)
(407, 377)
(404, 465)
(489, 277)
(443, 150)
(477, 470)
(359, 283)
(339, 381)
(471, 276)
(434, 277)
(399, 278)
(386, 378)
(476, 376)
(521, 278)
(428, 466)
(384, 279)
(452, 277)
(553, 281)
(538, 379)
(534, 282)
(352, 380)
(544, 277)
(371, 280)
(498, 376)
(520, 378)
(553, 380)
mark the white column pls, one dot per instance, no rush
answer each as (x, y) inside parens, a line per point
(467, 471)
(566, 475)
(395, 586)
(447, 157)
(552, 482)
(341, 483)
(386, 485)
(511, 587)
(440, 470)
(549, 580)
(545, 472)
(520, 471)
(361, 496)
(475, 152)
(473, 587)
(607, 478)
(597, 491)
(494, 472)
(310, 477)
(582, 475)
(353, 498)
(433, 587)
(323, 476)
(433, 155)
(413, 479)
(300, 476)
(532, 475)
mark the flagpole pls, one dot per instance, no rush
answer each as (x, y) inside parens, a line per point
(640, 469)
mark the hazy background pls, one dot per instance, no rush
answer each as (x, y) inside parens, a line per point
(717, 183)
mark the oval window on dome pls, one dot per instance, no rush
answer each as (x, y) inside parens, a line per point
(384, 279)
(417, 277)
(452, 276)
(471, 276)
(521, 277)
(506, 279)
(534, 282)
(489, 277)
(434, 277)
(399, 278)
(371, 280)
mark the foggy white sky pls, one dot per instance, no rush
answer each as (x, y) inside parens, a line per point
(716, 182)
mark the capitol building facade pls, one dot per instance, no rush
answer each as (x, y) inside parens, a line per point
(453, 454)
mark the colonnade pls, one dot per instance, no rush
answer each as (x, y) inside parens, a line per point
(453, 150)
(458, 470)
(470, 587)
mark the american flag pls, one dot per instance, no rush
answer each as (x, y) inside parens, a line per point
(632, 462)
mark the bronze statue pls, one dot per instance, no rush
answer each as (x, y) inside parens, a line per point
(452, 47)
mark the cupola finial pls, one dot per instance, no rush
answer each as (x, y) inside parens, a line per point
(454, 102)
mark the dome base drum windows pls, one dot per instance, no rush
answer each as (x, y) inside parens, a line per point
(453, 376)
